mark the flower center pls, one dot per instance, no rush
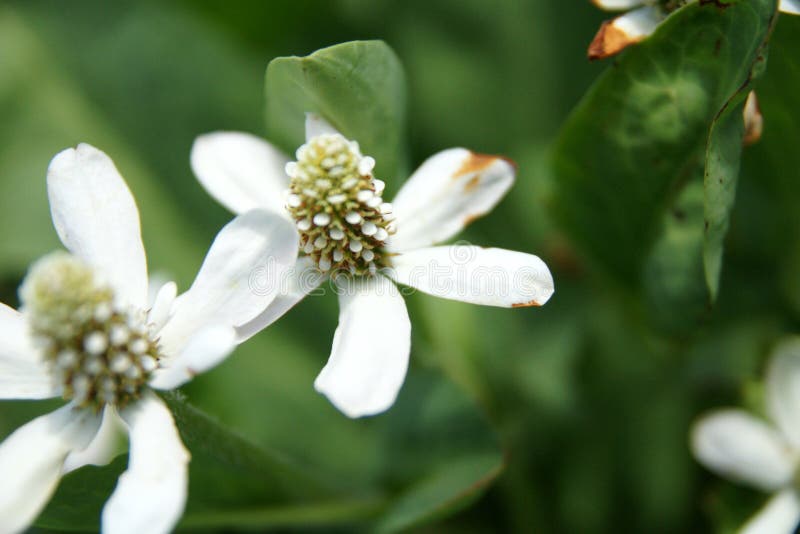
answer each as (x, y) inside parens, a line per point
(101, 352)
(337, 206)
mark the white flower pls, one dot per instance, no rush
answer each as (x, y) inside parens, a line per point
(85, 332)
(348, 232)
(791, 7)
(640, 20)
(766, 456)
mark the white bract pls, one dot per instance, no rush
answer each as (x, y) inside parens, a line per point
(744, 448)
(640, 19)
(352, 236)
(86, 332)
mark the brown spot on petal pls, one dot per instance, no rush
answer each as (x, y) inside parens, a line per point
(753, 120)
(474, 163)
(610, 40)
(469, 219)
(472, 183)
(525, 304)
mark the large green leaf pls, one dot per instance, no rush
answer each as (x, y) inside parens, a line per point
(79, 499)
(427, 456)
(629, 147)
(439, 453)
(229, 477)
(359, 87)
(673, 273)
(722, 172)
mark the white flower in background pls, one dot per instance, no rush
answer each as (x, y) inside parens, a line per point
(640, 19)
(348, 232)
(85, 332)
(790, 6)
(747, 449)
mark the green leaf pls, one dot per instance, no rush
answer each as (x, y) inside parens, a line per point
(452, 485)
(623, 156)
(359, 87)
(433, 443)
(80, 496)
(722, 172)
(227, 474)
(250, 468)
(673, 273)
(327, 514)
(438, 454)
(441, 450)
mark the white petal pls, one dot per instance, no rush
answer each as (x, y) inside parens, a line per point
(161, 310)
(205, 349)
(790, 6)
(241, 171)
(369, 358)
(641, 22)
(108, 443)
(155, 281)
(486, 276)
(97, 220)
(239, 278)
(780, 515)
(738, 446)
(447, 192)
(151, 494)
(625, 30)
(617, 5)
(31, 461)
(783, 389)
(299, 281)
(316, 125)
(22, 373)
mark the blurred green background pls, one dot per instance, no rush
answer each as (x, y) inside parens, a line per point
(569, 418)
